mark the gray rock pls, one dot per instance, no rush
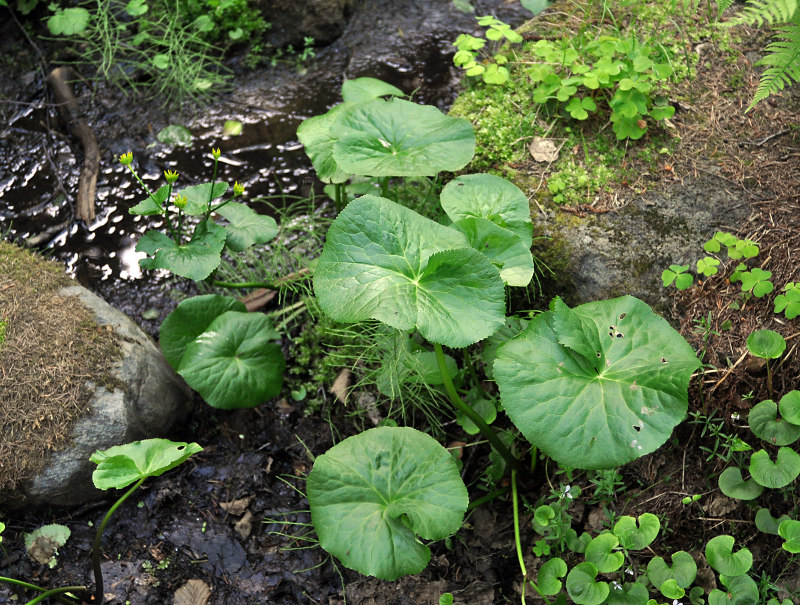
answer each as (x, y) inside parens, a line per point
(624, 251)
(151, 398)
(292, 21)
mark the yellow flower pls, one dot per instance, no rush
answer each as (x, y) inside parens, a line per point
(215, 153)
(126, 159)
(180, 201)
(171, 176)
(238, 189)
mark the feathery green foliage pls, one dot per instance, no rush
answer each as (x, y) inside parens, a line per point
(758, 12)
(782, 61)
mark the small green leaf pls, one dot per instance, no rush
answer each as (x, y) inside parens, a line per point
(236, 34)
(789, 303)
(175, 134)
(544, 514)
(582, 586)
(720, 555)
(231, 128)
(629, 593)
(764, 423)
(548, 577)
(136, 8)
(733, 485)
(68, 22)
(766, 344)
(152, 205)
(121, 465)
(601, 553)
(246, 227)
(789, 530)
(637, 538)
(373, 493)
(679, 275)
(789, 407)
(42, 544)
(671, 590)
(683, 570)
(739, 590)
(768, 524)
(708, 266)
(161, 61)
(485, 408)
(780, 473)
(757, 281)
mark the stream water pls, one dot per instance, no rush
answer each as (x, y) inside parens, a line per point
(405, 42)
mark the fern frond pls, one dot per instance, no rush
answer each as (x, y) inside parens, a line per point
(723, 5)
(783, 59)
(758, 12)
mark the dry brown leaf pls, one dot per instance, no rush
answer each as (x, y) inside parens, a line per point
(194, 592)
(339, 388)
(244, 525)
(543, 150)
(237, 507)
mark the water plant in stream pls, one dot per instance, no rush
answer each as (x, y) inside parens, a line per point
(118, 467)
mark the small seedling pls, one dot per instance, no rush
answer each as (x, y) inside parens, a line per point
(766, 344)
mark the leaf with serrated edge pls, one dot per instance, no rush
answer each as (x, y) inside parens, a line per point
(502, 247)
(246, 227)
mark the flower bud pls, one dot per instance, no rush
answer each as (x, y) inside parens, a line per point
(238, 189)
(215, 153)
(171, 176)
(126, 159)
(180, 201)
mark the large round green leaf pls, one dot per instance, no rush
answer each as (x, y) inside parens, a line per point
(490, 197)
(502, 247)
(235, 363)
(764, 423)
(246, 226)
(583, 587)
(683, 570)
(720, 555)
(315, 135)
(189, 320)
(596, 386)
(359, 90)
(372, 494)
(386, 262)
(780, 473)
(767, 344)
(121, 465)
(548, 577)
(601, 552)
(400, 138)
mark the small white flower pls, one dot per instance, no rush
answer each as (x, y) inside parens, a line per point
(735, 416)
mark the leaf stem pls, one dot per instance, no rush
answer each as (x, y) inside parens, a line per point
(517, 541)
(98, 573)
(54, 592)
(243, 285)
(45, 591)
(484, 428)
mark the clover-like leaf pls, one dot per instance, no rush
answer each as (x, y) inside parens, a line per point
(600, 393)
(121, 465)
(195, 259)
(637, 538)
(189, 320)
(247, 227)
(732, 484)
(547, 579)
(629, 593)
(198, 197)
(788, 303)
(386, 262)
(400, 138)
(359, 90)
(315, 135)
(789, 407)
(502, 247)
(767, 344)
(583, 587)
(708, 266)
(780, 473)
(720, 555)
(600, 551)
(768, 524)
(757, 281)
(679, 275)
(789, 530)
(491, 197)
(739, 590)
(152, 204)
(373, 493)
(236, 362)
(764, 423)
(683, 570)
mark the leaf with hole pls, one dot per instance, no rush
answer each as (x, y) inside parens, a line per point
(732, 484)
(372, 494)
(236, 362)
(780, 473)
(720, 555)
(386, 262)
(789, 530)
(601, 552)
(400, 138)
(683, 570)
(583, 587)
(764, 423)
(246, 227)
(596, 386)
(637, 538)
(121, 465)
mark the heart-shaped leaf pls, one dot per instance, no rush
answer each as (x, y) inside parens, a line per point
(739, 590)
(400, 138)
(121, 465)
(720, 555)
(502, 247)
(386, 262)
(629, 593)
(789, 407)
(637, 538)
(189, 320)
(246, 227)
(767, 344)
(359, 90)
(764, 423)
(732, 484)
(601, 395)
(683, 570)
(490, 197)
(582, 586)
(236, 362)
(789, 530)
(780, 473)
(600, 551)
(548, 577)
(195, 259)
(200, 196)
(768, 524)
(315, 135)
(372, 494)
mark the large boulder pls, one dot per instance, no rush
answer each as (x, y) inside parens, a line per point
(77, 376)
(292, 21)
